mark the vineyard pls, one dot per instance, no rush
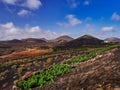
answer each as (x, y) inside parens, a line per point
(45, 76)
(37, 71)
(14, 69)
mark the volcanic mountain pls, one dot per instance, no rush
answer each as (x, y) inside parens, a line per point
(13, 41)
(112, 39)
(44, 39)
(86, 40)
(33, 40)
(62, 38)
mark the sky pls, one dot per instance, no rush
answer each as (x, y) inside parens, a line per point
(53, 18)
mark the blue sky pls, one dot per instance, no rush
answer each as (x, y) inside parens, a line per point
(53, 18)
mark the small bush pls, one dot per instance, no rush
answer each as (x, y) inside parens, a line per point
(44, 77)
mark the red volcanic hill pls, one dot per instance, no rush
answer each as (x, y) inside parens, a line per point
(62, 38)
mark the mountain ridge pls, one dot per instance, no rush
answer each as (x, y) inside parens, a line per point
(112, 39)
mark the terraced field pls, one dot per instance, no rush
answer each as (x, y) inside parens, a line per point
(14, 69)
(41, 70)
(99, 73)
(50, 74)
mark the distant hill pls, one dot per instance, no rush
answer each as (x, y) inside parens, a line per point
(44, 39)
(62, 41)
(26, 40)
(86, 40)
(33, 40)
(13, 41)
(62, 38)
(112, 39)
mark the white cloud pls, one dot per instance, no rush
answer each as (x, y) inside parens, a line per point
(108, 29)
(115, 17)
(73, 3)
(72, 21)
(12, 2)
(86, 3)
(23, 4)
(7, 25)
(9, 31)
(35, 29)
(23, 12)
(32, 4)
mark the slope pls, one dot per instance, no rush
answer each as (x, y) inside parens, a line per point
(100, 73)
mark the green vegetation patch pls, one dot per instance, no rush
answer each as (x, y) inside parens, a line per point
(44, 77)
(90, 55)
(81, 58)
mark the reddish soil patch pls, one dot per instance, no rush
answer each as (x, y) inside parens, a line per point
(31, 52)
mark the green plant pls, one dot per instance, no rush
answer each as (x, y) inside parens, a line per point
(44, 77)
(91, 54)
(81, 58)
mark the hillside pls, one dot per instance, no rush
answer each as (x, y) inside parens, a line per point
(88, 75)
(33, 40)
(86, 40)
(65, 38)
(16, 41)
(112, 39)
(100, 73)
(62, 41)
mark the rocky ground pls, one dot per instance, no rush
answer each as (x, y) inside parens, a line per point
(100, 73)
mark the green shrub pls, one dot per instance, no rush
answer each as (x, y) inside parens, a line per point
(44, 77)
(91, 54)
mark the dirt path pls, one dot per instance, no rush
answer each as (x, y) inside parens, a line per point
(100, 73)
